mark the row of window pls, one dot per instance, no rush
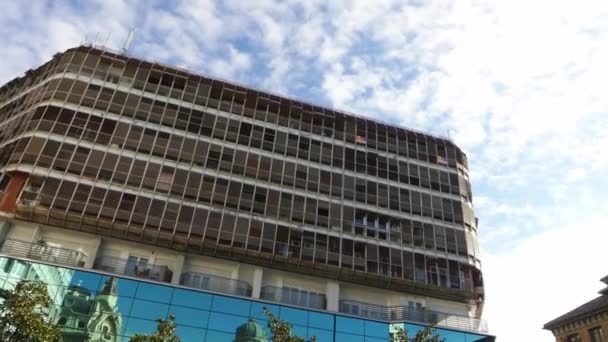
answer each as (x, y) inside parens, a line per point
(595, 335)
(246, 198)
(260, 137)
(260, 235)
(213, 157)
(213, 94)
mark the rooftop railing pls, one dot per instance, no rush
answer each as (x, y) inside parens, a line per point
(134, 269)
(413, 314)
(216, 284)
(293, 296)
(42, 251)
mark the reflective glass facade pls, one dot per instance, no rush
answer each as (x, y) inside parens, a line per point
(93, 306)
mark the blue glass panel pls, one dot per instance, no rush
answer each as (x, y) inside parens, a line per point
(190, 334)
(153, 292)
(342, 337)
(216, 336)
(413, 329)
(193, 299)
(321, 335)
(149, 310)
(320, 320)
(451, 336)
(376, 329)
(188, 316)
(294, 316)
(87, 280)
(124, 305)
(375, 339)
(126, 287)
(231, 305)
(351, 325)
(257, 310)
(298, 330)
(141, 326)
(224, 322)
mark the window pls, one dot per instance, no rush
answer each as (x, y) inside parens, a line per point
(106, 333)
(573, 338)
(595, 334)
(8, 264)
(137, 266)
(4, 181)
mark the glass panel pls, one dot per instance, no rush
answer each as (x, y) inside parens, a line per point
(351, 325)
(230, 305)
(153, 292)
(257, 311)
(294, 316)
(191, 299)
(376, 329)
(450, 335)
(342, 337)
(225, 322)
(149, 310)
(319, 320)
(187, 334)
(321, 335)
(87, 280)
(192, 317)
(217, 336)
(141, 326)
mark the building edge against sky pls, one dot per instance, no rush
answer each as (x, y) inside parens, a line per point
(122, 166)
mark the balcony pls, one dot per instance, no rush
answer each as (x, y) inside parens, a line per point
(412, 314)
(44, 252)
(216, 284)
(133, 269)
(293, 296)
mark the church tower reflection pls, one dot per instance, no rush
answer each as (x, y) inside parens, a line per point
(87, 316)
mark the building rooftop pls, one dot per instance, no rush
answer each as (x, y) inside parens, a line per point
(594, 306)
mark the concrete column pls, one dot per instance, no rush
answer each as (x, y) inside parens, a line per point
(177, 271)
(258, 274)
(5, 228)
(332, 294)
(92, 253)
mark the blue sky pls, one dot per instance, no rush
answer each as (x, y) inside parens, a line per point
(520, 85)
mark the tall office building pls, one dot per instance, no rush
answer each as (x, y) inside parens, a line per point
(211, 200)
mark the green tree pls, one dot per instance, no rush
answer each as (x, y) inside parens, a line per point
(426, 335)
(165, 332)
(23, 314)
(281, 330)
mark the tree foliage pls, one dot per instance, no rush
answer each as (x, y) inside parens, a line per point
(23, 314)
(281, 330)
(426, 335)
(165, 332)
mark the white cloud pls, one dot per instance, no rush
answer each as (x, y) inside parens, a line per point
(235, 63)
